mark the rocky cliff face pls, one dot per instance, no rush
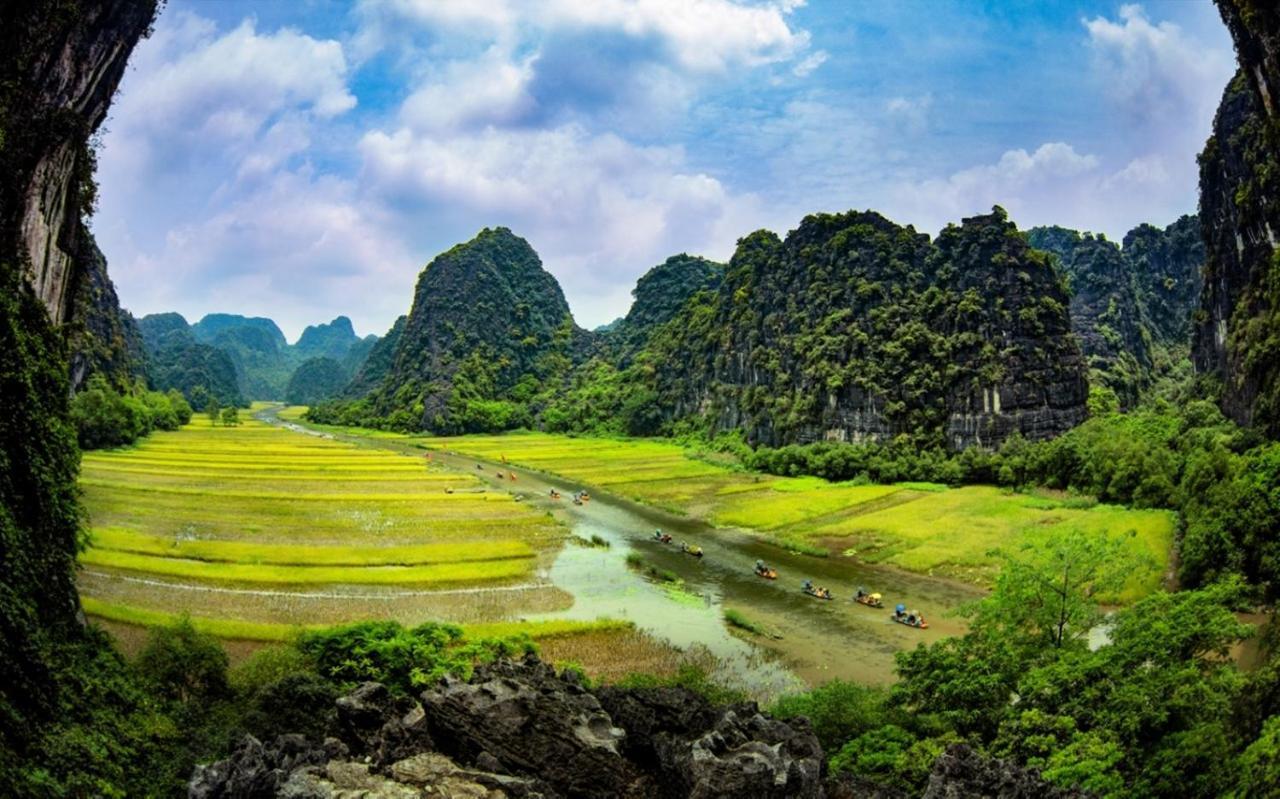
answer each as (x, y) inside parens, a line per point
(855, 328)
(59, 64)
(1166, 265)
(103, 338)
(522, 730)
(331, 340)
(1106, 314)
(72, 56)
(175, 359)
(659, 296)
(372, 370)
(485, 314)
(1237, 328)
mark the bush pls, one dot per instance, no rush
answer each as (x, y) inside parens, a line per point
(184, 664)
(839, 710)
(105, 417)
(402, 659)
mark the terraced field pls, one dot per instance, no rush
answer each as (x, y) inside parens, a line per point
(924, 528)
(255, 530)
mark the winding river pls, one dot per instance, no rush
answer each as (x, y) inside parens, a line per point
(809, 641)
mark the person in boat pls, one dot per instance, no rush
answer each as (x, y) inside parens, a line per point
(808, 586)
(761, 568)
(657, 535)
(555, 494)
(862, 593)
(899, 611)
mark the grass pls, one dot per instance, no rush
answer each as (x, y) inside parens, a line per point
(735, 618)
(266, 631)
(230, 512)
(268, 574)
(953, 533)
(637, 562)
(925, 528)
(301, 555)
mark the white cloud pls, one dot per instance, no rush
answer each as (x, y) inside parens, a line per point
(491, 90)
(1052, 185)
(209, 201)
(909, 114)
(598, 209)
(699, 35)
(811, 62)
(1154, 72)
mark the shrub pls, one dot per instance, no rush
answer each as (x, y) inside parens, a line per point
(184, 664)
(402, 659)
(839, 710)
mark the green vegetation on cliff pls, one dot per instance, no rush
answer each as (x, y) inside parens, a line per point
(1130, 307)
(487, 340)
(315, 380)
(858, 328)
(1237, 327)
(177, 360)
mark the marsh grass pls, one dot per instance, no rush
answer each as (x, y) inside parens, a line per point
(736, 618)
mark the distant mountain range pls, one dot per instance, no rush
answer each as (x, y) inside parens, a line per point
(851, 328)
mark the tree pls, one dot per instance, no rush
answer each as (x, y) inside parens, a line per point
(1047, 594)
(212, 409)
(181, 408)
(230, 416)
(185, 664)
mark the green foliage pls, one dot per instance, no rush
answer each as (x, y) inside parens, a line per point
(403, 659)
(1146, 714)
(184, 664)
(1259, 774)
(177, 360)
(315, 380)
(230, 416)
(104, 417)
(1043, 596)
(839, 711)
(892, 757)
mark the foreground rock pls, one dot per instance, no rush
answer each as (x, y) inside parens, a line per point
(519, 729)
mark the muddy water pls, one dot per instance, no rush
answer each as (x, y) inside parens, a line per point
(810, 641)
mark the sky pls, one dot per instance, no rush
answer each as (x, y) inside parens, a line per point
(305, 159)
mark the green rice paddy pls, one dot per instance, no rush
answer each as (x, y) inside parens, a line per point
(924, 528)
(256, 530)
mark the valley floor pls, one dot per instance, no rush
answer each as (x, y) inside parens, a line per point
(920, 527)
(256, 532)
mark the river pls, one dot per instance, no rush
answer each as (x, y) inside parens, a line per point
(811, 641)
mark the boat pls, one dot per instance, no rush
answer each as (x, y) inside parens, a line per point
(870, 600)
(688, 550)
(661, 537)
(816, 593)
(910, 618)
(765, 572)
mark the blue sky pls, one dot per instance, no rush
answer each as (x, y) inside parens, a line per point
(305, 159)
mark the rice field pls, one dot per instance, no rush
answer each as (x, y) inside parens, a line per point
(256, 530)
(923, 528)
